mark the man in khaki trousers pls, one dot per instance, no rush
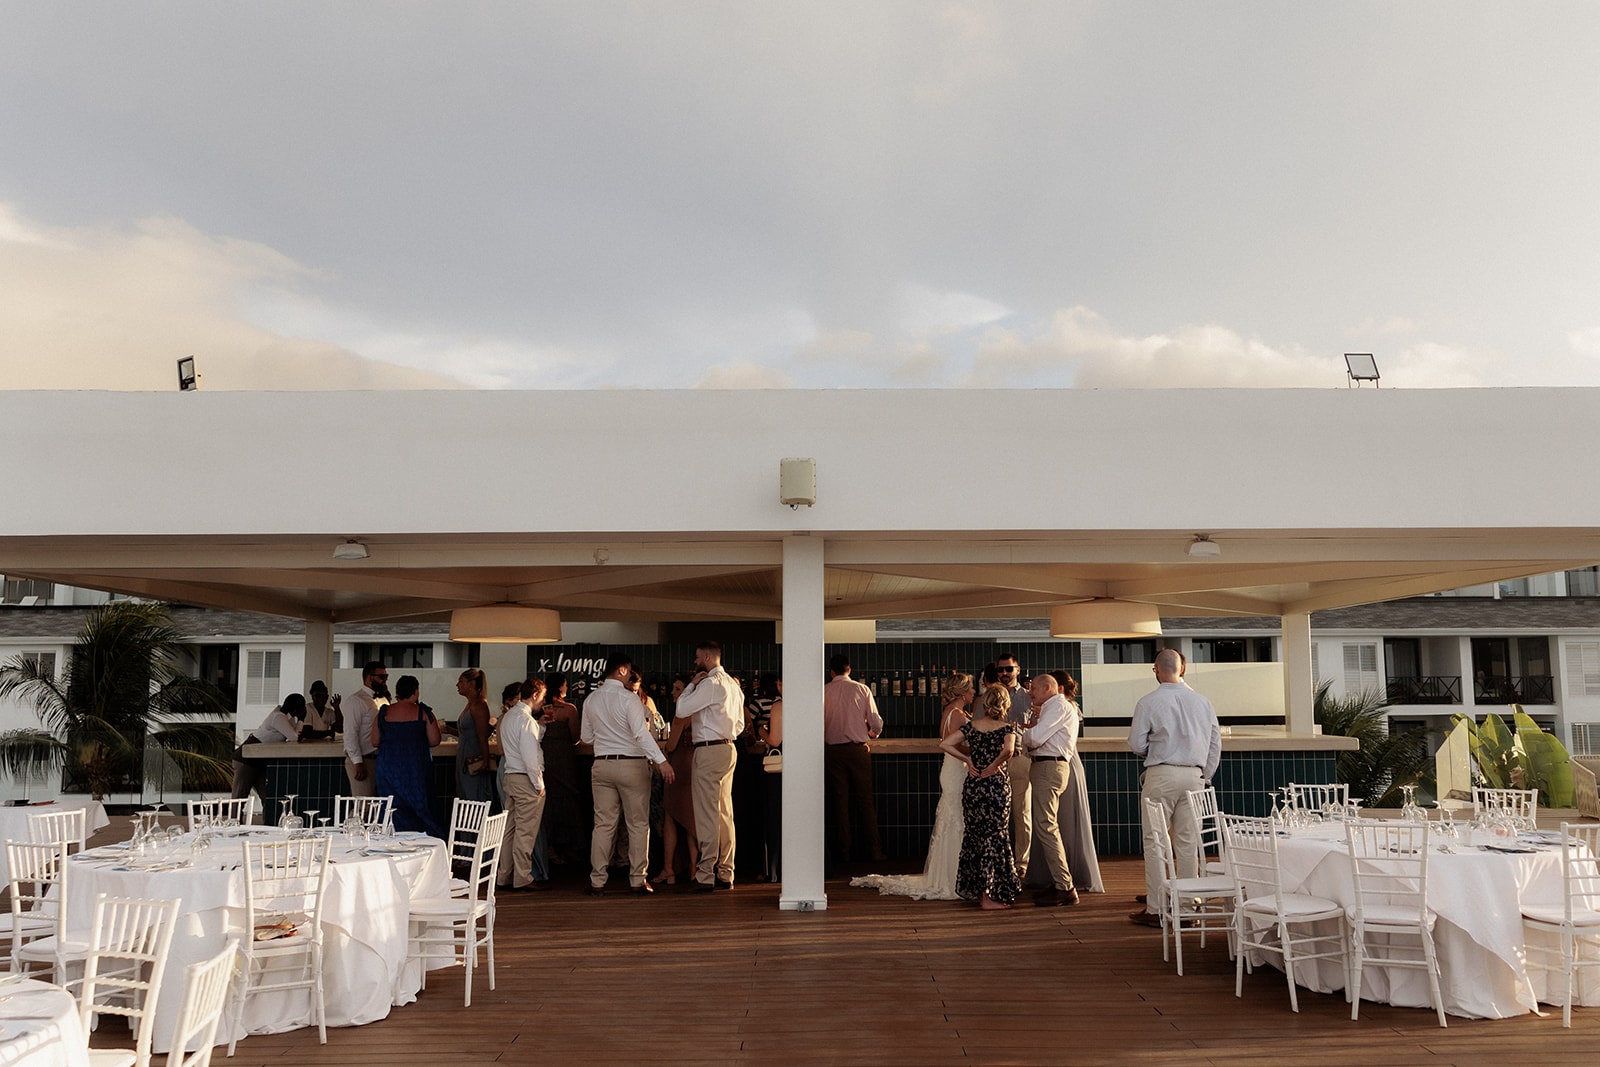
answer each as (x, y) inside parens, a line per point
(614, 723)
(716, 703)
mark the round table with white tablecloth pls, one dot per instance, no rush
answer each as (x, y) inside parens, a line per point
(1478, 895)
(39, 1026)
(366, 912)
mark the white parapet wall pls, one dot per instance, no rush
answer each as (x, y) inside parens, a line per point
(1110, 690)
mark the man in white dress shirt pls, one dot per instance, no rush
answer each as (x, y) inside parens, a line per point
(523, 783)
(361, 710)
(1051, 741)
(615, 723)
(1175, 729)
(716, 703)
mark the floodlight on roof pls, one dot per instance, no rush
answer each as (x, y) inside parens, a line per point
(1361, 367)
(351, 549)
(188, 380)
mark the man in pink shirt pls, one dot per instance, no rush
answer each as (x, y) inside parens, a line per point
(849, 720)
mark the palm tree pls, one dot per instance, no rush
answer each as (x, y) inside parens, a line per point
(1385, 761)
(121, 688)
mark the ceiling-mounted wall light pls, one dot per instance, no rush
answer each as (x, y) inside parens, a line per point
(1202, 547)
(1105, 618)
(351, 549)
(506, 624)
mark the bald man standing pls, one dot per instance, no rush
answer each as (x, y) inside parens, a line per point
(1175, 729)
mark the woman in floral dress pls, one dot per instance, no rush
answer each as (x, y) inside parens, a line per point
(986, 871)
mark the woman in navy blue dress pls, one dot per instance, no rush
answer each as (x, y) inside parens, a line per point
(405, 734)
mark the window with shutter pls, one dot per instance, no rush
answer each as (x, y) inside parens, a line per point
(46, 661)
(261, 676)
(1360, 669)
(1583, 668)
(1088, 652)
(1316, 668)
(1584, 736)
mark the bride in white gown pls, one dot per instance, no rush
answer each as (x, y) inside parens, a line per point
(938, 878)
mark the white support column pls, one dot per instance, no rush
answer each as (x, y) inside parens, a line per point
(319, 654)
(1299, 686)
(803, 662)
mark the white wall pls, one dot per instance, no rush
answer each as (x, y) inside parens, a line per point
(711, 458)
(1112, 689)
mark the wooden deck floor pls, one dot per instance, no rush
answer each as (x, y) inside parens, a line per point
(727, 978)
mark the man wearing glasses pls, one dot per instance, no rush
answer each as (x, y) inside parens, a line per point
(1021, 766)
(360, 710)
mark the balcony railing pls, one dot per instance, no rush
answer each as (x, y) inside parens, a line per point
(1425, 689)
(1528, 689)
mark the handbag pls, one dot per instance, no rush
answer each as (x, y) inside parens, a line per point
(481, 764)
(772, 762)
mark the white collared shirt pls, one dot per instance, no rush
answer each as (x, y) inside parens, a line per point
(1056, 732)
(717, 704)
(616, 724)
(520, 734)
(360, 709)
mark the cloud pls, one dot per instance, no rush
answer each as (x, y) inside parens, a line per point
(1080, 344)
(743, 374)
(115, 308)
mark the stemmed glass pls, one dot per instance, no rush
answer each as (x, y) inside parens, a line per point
(311, 819)
(1409, 811)
(288, 810)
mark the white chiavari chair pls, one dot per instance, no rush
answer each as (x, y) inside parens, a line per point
(1576, 922)
(282, 946)
(455, 928)
(1389, 869)
(1199, 904)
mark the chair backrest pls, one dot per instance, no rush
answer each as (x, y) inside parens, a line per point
(1317, 797)
(71, 827)
(1523, 803)
(1580, 868)
(1155, 817)
(205, 992)
(1389, 866)
(374, 811)
(1208, 823)
(284, 882)
(129, 941)
(466, 824)
(486, 856)
(35, 870)
(239, 809)
(1252, 849)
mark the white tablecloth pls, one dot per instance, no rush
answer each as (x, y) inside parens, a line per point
(1478, 897)
(14, 823)
(366, 910)
(39, 1026)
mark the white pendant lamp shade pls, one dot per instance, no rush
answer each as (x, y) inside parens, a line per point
(1105, 618)
(513, 624)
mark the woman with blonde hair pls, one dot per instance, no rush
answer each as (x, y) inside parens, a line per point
(986, 871)
(938, 878)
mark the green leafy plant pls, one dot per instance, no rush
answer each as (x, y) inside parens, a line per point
(1385, 761)
(122, 688)
(1524, 758)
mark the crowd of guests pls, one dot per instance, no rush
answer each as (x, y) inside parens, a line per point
(1012, 794)
(691, 793)
(683, 795)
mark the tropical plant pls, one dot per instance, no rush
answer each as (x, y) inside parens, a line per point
(123, 687)
(1385, 761)
(1524, 758)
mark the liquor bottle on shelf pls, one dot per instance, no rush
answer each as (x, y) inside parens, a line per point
(895, 687)
(922, 679)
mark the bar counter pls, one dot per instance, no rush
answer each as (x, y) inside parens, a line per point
(905, 773)
(1255, 760)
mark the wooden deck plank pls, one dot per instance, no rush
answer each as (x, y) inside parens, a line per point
(880, 980)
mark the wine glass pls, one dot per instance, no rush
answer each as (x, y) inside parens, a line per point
(1409, 811)
(311, 818)
(288, 811)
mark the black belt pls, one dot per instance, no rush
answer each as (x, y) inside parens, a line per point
(1063, 759)
(619, 757)
(718, 741)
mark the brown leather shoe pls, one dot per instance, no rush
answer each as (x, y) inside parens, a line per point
(1145, 918)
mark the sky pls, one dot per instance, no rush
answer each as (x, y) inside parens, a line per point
(808, 194)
